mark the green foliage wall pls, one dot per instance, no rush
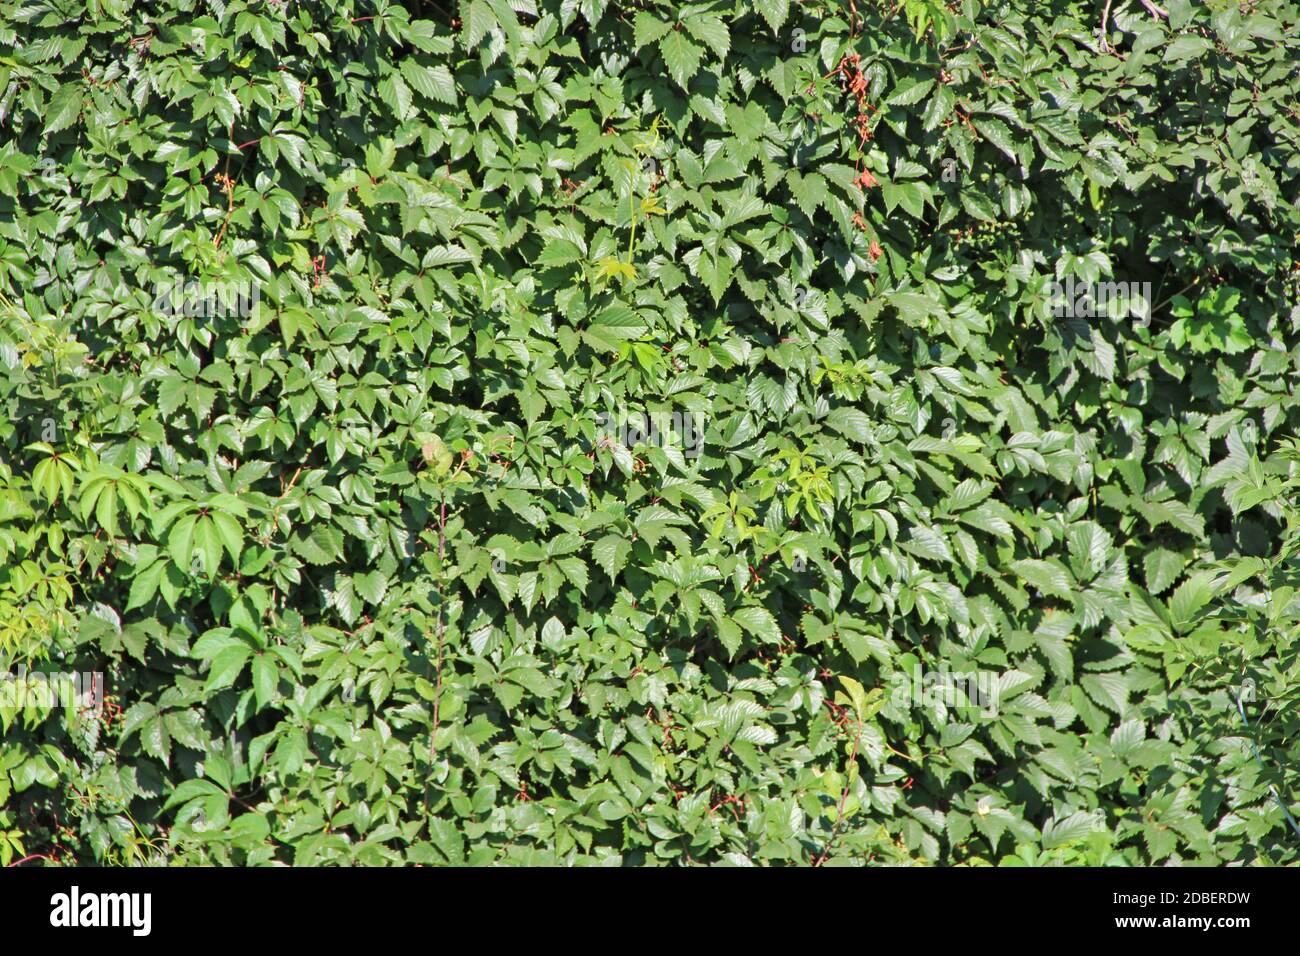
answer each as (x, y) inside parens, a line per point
(381, 563)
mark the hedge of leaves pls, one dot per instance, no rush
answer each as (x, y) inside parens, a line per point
(376, 570)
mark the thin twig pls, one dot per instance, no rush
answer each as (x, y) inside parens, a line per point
(1105, 28)
(1255, 750)
(229, 188)
(275, 513)
(442, 628)
(844, 796)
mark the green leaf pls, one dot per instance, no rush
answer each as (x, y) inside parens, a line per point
(64, 107)
(227, 665)
(478, 20)
(758, 622)
(180, 540)
(681, 56)
(910, 93)
(145, 585)
(1162, 568)
(611, 553)
(710, 31)
(774, 12)
(850, 422)
(1050, 576)
(433, 82)
(265, 678)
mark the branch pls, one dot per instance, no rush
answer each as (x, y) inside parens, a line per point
(442, 630)
(844, 795)
(1105, 28)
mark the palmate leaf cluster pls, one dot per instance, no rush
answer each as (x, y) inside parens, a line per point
(370, 580)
